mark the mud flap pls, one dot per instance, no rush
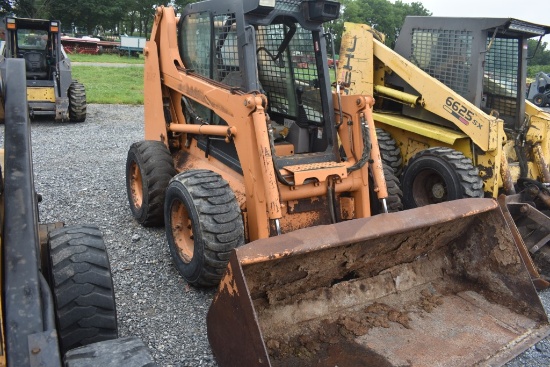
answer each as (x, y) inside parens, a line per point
(438, 285)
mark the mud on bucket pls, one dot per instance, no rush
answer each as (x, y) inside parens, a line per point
(437, 285)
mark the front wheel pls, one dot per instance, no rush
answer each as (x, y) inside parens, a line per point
(389, 151)
(77, 268)
(203, 224)
(394, 201)
(437, 175)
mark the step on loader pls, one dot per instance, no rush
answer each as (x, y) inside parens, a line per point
(451, 108)
(268, 180)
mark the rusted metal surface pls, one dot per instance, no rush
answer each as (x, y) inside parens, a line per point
(541, 163)
(504, 201)
(227, 131)
(419, 287)
(319, 171)
(507, 181)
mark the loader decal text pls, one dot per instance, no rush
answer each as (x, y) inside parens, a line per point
(348, 56)
(461, 112)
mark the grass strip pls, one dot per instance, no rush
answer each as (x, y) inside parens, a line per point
(111, 85)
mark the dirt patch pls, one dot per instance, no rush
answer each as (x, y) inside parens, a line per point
(430, 300)
(333, 341)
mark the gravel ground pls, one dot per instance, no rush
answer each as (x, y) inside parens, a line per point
(80, 170)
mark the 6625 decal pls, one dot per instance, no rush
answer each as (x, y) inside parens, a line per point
(461, 112)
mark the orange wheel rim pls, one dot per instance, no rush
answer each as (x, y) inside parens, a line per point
(182, 231)
(136, 185)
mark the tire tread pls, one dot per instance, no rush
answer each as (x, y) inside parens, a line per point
(80, 277)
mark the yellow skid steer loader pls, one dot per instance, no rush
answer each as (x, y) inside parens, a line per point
(453, 120)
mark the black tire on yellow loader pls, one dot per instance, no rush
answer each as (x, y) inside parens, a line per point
(203, 224)
(149, 168)
(390, 152)
(79, 274)
(77, 102)
(437, 175)
(394, 201)
(540, 99)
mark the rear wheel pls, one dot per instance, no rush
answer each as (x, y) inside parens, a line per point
(540, 99)
(149, 168)
(203, 225)
(439, 174)
(79, 274)
(77, 102)
(390, 152)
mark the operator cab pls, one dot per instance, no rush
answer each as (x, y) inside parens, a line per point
(34, 40)
(276, 48)
(482, 59)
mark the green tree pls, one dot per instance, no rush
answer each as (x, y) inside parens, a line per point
(540, 55)
(539, 58)
(382, 15)
(6, 8)
(87, 14)
(26, 8)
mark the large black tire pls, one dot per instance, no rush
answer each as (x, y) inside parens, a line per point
(439, 174)
(203, 225)
(390, 152)
(77, 102)
(394, 201)
(540, 99)
(123, 352)
(149, 168)
(79, 275)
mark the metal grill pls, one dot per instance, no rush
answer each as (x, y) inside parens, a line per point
(445, 55)
(500, 75)
(226, 66)
(195, 43)
(291, 75)
(287, 5)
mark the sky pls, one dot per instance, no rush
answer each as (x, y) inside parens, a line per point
(527, 10)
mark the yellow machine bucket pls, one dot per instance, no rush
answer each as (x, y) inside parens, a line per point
(441, 285)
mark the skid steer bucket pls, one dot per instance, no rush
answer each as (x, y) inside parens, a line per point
(441, 285)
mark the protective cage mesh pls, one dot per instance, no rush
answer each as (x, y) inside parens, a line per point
(294, 69)
(445, 55)
(500, 76)
(226, 67)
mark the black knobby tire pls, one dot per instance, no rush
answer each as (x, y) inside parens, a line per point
(390, 152)
(149, 168)
(203, 224)
(79, 275)
(540, 99)
(439, 174)
(77, 102)
(123, 352)
(394, 201)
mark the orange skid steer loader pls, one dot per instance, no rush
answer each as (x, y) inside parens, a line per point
(267, 181)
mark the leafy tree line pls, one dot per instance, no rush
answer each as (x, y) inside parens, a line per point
(135, 17)
(92, 17)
